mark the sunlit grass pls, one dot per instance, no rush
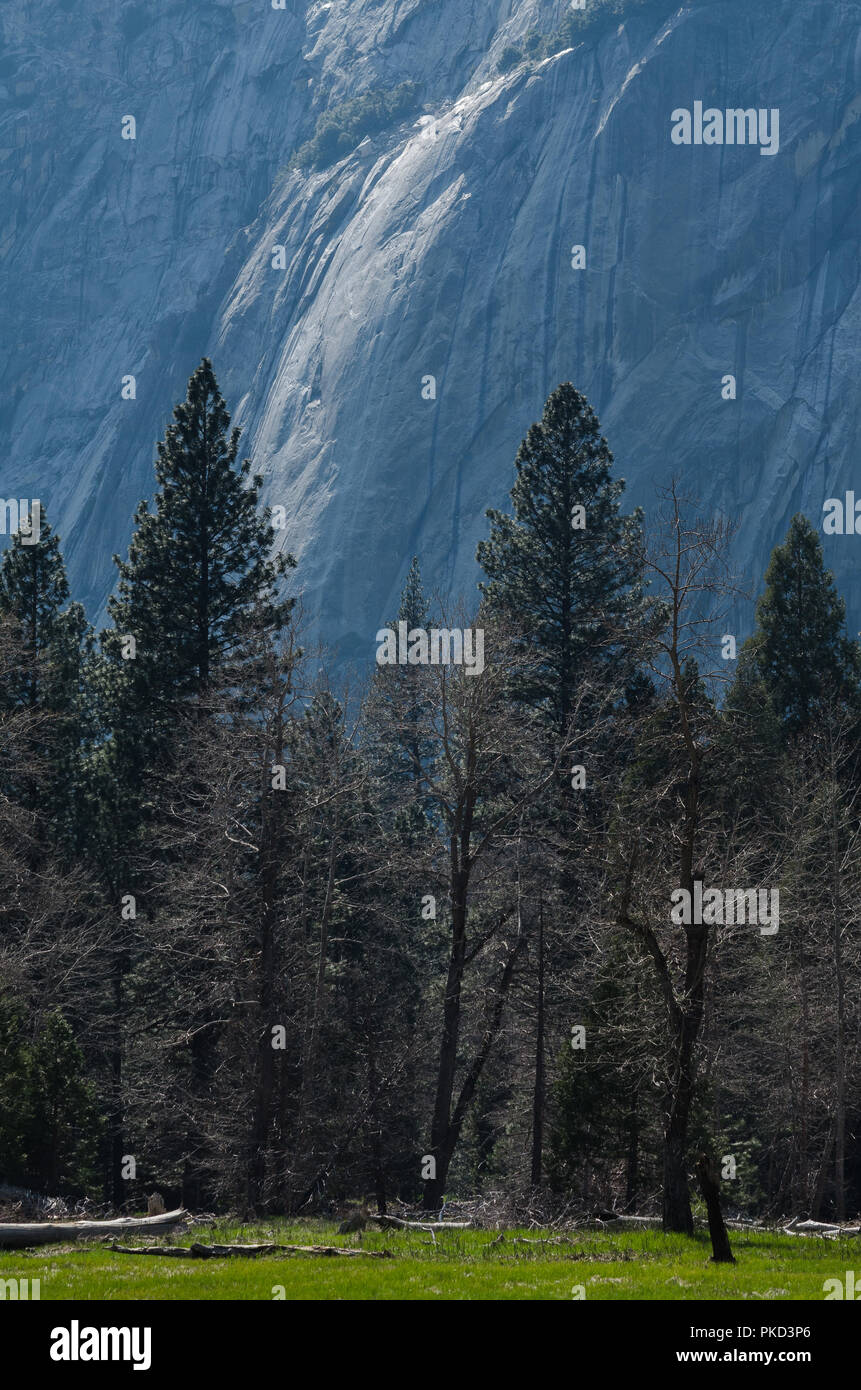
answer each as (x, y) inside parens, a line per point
(458, 1265)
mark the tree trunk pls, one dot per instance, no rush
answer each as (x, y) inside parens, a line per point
(710, 1188)
(676, 1210)
(472, 1078)
(117, 1182)
(198, 1192)
(840, 1059)
(822, 1176)
(262, 1117)
(677, 1202)
(441, 1145)
(539, 1088)
(632, 1166)
(376, 1127)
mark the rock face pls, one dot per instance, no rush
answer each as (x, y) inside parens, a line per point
(440, 246)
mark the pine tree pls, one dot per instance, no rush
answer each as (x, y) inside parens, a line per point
(33, 589)
(199, 572)
(805, 658)
(400, 747)
(565, 572)
(565, 568)
(15, 1101)
(199, 580)
(51, 680)
(64, 1124)
(360, 915)
(750, 738)
(49, 1121)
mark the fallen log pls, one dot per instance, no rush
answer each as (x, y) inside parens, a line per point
(18, 1237)
(816, 1226)
(398, 1224)
(221, 1252)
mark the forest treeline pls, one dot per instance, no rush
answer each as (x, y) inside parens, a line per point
(266, 943)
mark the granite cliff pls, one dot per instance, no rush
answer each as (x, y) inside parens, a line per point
(427, 231)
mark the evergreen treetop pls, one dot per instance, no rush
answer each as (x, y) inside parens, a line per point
(199, 576)
(804, 656)
(565, 567)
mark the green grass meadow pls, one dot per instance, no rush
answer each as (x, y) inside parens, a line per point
(461, 1265)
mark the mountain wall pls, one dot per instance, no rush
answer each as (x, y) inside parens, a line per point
(437, 245)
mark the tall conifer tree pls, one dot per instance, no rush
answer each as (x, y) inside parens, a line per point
(399, 708)
(565, 568)
(198, 583)
(51, 680)
(806, 660)
(199, 572)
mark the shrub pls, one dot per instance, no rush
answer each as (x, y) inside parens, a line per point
(340, 129)
(508, 58)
